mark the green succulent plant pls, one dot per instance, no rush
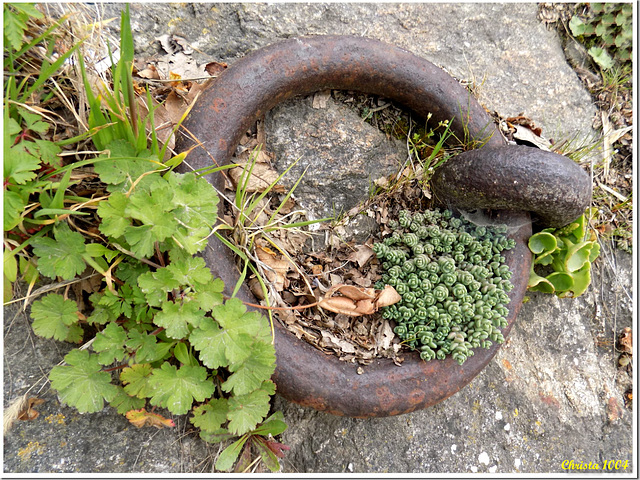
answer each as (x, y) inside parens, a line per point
(607, 30)
(453, 282)
(568, 253)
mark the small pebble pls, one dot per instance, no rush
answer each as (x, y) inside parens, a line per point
(484, 458)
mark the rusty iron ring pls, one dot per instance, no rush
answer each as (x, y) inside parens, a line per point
(256, 83)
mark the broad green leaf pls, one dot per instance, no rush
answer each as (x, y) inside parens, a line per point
(246, 411)
(147, 347)
(10, 266)
(155, 285)
(542, 242)
(176, 318)
(220, 347)
(581, 280)
(124, 403)
(192, 271)
(210, 416)
(14, 26)
(181, 352)
(229, 455)
(274, 425)
(561, 281)
(255, 369)
(33, 121)
(577, 255)
(122, 167)
(99, 250)
(13, 205)
(114, 221)
(601, 57)
(538, 283)
(19, 164)
(61, 257)
(577, 26)
(176, 389)
(233, 316)
(142, 240)
(136, 380)
(110, 344)
(210, 294)
(53, 316)
(117, 302)
(81, 383)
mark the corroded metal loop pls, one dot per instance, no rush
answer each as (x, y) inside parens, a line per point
(261, 80)
(553, 187)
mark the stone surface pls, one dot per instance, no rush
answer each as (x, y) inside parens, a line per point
(552, 394)
(341, 153)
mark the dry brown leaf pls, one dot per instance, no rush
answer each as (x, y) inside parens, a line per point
(262, 176)
(626, 340)
(27, 412)
(215, 68)
(142, 418)
(330, 340)
(277, 268)
(150, 72)
(356, 301)
(361, 255)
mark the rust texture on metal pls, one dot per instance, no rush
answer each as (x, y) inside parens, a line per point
(555, 188)
(261, 80)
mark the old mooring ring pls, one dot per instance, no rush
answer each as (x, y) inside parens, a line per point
(250, 87)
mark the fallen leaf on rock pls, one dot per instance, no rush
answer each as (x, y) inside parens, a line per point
(614, 411)
(262, 177)
(142, 418)
(215, 68)
(626, 340)
(151, 72)
(526, 135)
(27, 412)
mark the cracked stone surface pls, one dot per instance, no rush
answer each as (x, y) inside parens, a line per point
(553, 392)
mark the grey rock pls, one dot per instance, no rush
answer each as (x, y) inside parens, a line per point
(341, 154)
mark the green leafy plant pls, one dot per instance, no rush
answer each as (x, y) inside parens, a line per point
(607, 29)
(161, 333)
(568, 253)
(453, 282)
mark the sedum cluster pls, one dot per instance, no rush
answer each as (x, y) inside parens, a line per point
(453, 282)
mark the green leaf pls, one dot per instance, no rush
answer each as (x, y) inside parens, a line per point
(561, 281)
(601, 57)
(268, 457)
(124, 403)
(53, 316)
(191, 271)
(60, 257)
(577, 26)
(581, 280)
(175, 318)
(176, 389)
(110, 344)
(136, 380)
(14, 26)
(229, 455)
(114, 221)
(577, 255)
(123, 167)
(155, 285)
(181, 352)
(542, 242)
(33, 121)
(246, 411)
(274, 425)
(210, 416)
(98, 250)
(19, 165)
(81, 383)
(255, 369)
(210, 294)
(13, 205)
(147, 347)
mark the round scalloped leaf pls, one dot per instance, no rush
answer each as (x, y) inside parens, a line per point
(543, 244)
(581, 280)
(601, 57)
(561, 281)
(539, 284)
(577, 255)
